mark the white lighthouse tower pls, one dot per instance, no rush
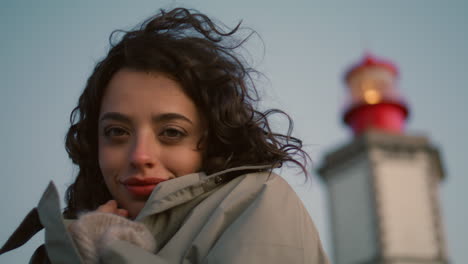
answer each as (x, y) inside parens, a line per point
(383, 184)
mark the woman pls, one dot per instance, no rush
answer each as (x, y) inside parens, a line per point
(175, 163)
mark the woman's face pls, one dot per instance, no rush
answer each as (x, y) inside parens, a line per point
(149, 131)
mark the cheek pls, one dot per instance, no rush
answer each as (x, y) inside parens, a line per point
(185, 162)
(111, 160)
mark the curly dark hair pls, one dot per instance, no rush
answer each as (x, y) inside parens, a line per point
(201, 55)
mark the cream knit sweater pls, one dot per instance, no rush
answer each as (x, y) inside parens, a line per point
(93, 232)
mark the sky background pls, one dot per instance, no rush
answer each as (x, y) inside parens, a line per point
(49, 48)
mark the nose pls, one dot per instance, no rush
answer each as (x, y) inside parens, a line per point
(143, 155)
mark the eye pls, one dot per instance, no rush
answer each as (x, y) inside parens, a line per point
(172, 134)
(115, 133)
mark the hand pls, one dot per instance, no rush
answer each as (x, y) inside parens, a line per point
(93, 233)
(111, 207)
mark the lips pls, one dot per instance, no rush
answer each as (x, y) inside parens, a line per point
(141, 187)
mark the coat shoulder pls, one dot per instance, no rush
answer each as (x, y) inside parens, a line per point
(274, 225)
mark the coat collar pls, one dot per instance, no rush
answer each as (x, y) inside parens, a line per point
(180, 190)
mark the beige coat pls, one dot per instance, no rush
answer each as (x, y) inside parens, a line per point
(252, 218)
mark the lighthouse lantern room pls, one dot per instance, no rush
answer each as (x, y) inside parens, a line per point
(374, 99)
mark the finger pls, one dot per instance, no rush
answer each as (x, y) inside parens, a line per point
(122, 212)
(109, 207)
(112, 203)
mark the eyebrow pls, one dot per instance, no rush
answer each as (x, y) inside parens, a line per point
(115, 116)
(169, 117)
(156, 119)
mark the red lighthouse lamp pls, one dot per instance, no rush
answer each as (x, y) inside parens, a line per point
(374, 101)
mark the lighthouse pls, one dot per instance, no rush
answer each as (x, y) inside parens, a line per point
(383, 183)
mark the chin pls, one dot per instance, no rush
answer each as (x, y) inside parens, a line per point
(134, 208)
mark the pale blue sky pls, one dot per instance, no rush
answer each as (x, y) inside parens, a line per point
(49, 48)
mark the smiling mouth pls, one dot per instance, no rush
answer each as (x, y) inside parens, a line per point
(141, 187)
(141, 190)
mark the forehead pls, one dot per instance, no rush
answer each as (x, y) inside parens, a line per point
(133, 92)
